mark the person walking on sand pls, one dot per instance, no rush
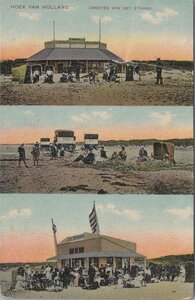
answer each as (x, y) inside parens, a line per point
(22, 156)
(36, 153)
(159, 68)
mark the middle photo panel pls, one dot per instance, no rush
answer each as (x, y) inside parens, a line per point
(100, 150)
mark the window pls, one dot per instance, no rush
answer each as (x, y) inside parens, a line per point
(110, 260)
(94, 260)
(71, 251)
(76, 250)
(118, 262)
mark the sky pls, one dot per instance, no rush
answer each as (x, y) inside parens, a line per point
(142, 29)
(160, 225)
(21, 124)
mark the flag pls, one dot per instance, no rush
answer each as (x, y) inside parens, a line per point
(54, 227)
(93, 221)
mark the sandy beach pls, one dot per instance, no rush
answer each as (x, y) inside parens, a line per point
(177, 290)
(59, 176)
(176, 90)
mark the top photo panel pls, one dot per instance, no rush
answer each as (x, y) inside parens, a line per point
(121, 52)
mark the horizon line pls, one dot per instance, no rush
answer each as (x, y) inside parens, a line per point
(151, 139)
(38, 262)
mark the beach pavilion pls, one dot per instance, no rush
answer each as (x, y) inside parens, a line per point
(60, 54)
(87, 248)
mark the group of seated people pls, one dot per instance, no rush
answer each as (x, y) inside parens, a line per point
(110, 74)
(53, 278)
(73, 75)
(47, 77)
(88, 155)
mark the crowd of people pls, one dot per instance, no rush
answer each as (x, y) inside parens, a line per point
(87, 155)
(53, 278)
(110, 74)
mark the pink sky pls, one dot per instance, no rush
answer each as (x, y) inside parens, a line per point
(29, 247)
(134, 48)
(27, 135)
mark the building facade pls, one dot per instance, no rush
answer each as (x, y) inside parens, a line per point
(88, 248)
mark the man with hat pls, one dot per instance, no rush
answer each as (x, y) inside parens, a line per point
(159, 68)
(22, 156)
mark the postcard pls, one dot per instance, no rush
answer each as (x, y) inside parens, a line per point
(101, 150)
(97, 247)
(123, 52)
(96, 149)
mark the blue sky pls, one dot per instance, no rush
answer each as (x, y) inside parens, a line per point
(167, 21)
(164, 213)
(82, 116)
(28, 124)
(159, 225)
(81, 12)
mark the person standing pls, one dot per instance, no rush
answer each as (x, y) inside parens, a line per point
(136, 73)
(22, 156)
(54, 151)
(91, 273)
(78, 73)
(159, 68)
(36, 153)
(36, 75)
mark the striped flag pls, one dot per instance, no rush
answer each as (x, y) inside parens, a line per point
(54, 227)
(93, 221)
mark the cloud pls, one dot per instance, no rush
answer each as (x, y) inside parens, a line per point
(28, 113)
(131, 214)
(162, 119)
(105, 19)
(159, 16)
(32, 17)
(83, 117)
(182, 213)
(104, 115)
(13, 213)
(167, 12)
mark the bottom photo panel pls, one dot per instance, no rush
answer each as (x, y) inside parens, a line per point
(97, 247)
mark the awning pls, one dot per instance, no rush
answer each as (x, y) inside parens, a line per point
(98, 254)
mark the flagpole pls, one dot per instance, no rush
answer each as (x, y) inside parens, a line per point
(100, 31)
(54, 31)
(55, 239)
